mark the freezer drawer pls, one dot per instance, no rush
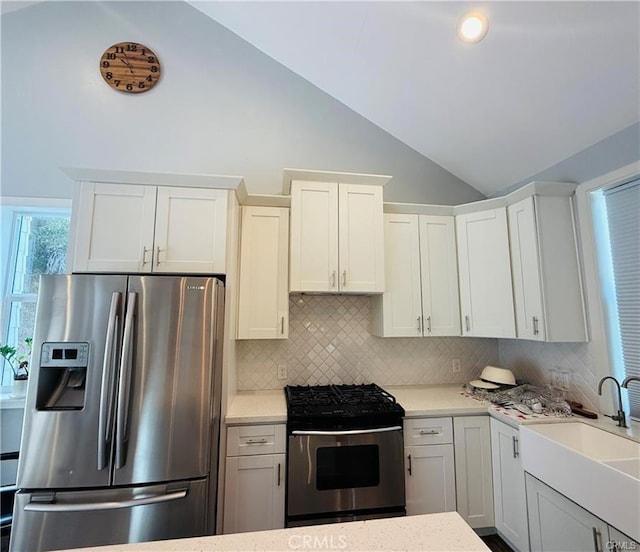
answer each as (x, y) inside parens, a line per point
(78, 519)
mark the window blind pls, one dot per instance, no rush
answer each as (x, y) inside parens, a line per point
(623, 215)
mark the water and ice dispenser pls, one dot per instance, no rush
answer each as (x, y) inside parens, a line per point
(63, 375)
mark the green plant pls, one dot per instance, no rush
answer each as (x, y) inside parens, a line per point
(19, 363)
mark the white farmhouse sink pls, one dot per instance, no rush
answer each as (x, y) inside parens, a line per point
(596, 469)
(590, 441)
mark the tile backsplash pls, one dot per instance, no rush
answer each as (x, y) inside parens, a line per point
(329, 342)
(536, 362)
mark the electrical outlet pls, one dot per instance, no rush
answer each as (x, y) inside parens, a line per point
(455, 365)
(282, 371)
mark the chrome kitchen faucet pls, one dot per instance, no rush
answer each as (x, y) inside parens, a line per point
(620, 417)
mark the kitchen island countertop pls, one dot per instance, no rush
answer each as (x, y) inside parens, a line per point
(428, 532)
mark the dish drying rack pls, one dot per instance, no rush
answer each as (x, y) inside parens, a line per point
(528, 399)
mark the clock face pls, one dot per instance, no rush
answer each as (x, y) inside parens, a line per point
(130, 67)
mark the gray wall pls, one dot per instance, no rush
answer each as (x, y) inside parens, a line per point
(221, 107)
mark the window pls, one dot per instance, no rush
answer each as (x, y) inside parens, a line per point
(618, 209)
(34, 242)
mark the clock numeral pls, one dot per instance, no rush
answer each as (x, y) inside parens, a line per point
(117, 82)
(109, 75)
(151, 59)
(129, 87)
(119, 50)
(149, 79)
(141, 84)
(132, 47)
(154, 69)
(110, 56)
(105, 64)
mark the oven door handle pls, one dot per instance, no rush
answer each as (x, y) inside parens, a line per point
(348, 432)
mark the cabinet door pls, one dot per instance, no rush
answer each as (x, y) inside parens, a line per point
(486, 293)
(509, 495)
(190, 232)
(474, 481)
(398, 312)
(527, 285)
(114, 228)
(619, 542)
(558, 524)
(263, 305)
(254, 493)
(361, 238)
(430, 480)
(438, 257)
(314, 237)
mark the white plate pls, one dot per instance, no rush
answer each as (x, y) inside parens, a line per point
(483, 384)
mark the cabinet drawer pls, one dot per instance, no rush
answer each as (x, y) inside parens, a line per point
(428, 431)
(255, 439)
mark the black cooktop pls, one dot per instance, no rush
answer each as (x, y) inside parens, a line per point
(341, 407)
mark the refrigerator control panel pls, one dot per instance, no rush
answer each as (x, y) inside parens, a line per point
(65, 354)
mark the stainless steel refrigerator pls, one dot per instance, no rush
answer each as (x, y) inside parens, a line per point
(121, 428)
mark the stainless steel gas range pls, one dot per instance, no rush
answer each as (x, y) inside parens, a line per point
(345, 454)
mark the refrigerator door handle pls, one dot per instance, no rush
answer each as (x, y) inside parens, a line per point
(107, 389)
(107, 505)
(124, 384)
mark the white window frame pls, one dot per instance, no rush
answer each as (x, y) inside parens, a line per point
(11, 208)
(605, 356)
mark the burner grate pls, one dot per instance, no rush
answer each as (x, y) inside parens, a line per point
(365, 405)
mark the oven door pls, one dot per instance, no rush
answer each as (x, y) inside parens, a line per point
(345, 471)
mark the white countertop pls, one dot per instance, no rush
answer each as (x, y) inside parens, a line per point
(269, 406)
(431, 532)
(435, 400)
(257, 407)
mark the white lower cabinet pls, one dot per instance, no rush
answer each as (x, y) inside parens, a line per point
(558, 524)
(509, 493)
(474, 480)
(430, 477)
(255, 477)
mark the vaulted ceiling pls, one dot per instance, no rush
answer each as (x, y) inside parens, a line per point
(549, 80)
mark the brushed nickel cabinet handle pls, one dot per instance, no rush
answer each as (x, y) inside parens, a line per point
(467, 323)
(409, 469)
(596, 535)
(158, 255)
(333, 279)
(145, 250)
(430, 432)
(282, 326)
(344, 278)
(536, 330)
(419, 325)
(256, 441)
(429, 324)
(516, 452)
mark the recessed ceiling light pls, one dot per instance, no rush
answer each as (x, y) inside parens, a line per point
(473, 27)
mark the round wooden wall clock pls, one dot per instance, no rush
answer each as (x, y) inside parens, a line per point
(130, 67)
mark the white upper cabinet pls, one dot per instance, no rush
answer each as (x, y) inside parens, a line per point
(486, 293)
(263, 311)
(134, 228)
(114, 228)
(439, 269)
(336, 238)
(421, 278)
(546, 274)
(190, 232)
